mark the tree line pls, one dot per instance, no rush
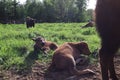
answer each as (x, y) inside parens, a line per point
(44, 11)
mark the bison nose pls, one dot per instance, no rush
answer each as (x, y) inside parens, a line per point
(43, 44)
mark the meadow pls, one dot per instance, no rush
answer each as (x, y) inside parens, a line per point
(16, 41)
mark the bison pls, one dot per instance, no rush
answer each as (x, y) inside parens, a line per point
(43, 45)
(65, 56)
(30, 22)
(89, 24)
(108, 27)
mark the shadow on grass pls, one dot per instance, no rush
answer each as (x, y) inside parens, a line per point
(30, 60)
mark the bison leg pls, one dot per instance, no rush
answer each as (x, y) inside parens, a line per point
(112, 70)
(52, 67)
(111, 63)
(106, 60)
(104, 64)
(73, 70)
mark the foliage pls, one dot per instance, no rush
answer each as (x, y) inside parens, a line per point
(16, 46)
(43, 11)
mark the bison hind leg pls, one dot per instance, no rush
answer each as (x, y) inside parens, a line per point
(73, 70)
(51, 68)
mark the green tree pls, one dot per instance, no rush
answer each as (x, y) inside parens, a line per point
(90, 14)
(71, 11)
(49, 11)
(81, 4)
(44, 11)
(2, 11)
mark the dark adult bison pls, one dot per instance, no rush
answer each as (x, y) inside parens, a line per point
(30, 22)
(108, 26)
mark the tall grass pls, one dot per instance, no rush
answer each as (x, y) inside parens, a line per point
(16, 43)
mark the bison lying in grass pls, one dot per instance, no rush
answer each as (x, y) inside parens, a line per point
(43, 45)
(65, 56)
(108, 26)
(89, 24)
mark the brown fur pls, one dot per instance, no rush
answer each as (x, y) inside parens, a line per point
(43, 45)
(108, 26)
(30, 22)
(89, 24)
(49, 46)
(65, 55)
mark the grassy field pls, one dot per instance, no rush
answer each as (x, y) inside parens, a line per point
(16, 44)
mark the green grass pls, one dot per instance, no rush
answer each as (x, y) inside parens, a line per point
(16, 44)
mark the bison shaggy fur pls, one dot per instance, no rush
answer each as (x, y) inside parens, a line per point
(30, 22)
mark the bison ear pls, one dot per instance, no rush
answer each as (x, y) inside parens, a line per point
(53, 46)
(81, 44)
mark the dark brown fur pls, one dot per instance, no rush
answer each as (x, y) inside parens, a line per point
(108, 26)
(49, 46)
(30, 22)
(89, 24)
(43, 45)
(65, 55)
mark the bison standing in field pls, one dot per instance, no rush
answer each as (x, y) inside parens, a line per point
(30, 22)
(108, 26)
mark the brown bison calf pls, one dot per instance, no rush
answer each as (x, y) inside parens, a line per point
(43, 45)
(65, 56)
(30, 22)
(108, 26)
